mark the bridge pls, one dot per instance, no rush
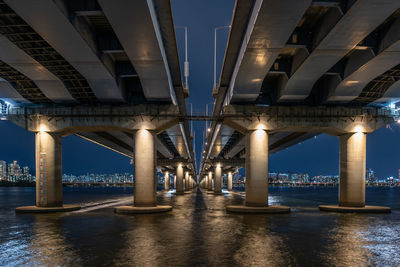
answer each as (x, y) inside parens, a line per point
(293, 70)
(108, 71)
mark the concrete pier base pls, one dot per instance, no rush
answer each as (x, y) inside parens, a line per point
(366, 209)
(249, 209)
(36, 209)
(142, 210)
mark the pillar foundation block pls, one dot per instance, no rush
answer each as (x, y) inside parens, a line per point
(366, 209)
(142, 210)
(36, 209)
(249, 209)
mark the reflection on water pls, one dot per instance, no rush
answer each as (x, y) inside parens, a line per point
(199, 232)
(48, 245)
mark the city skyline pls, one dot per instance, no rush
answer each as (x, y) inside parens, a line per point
(13, 172)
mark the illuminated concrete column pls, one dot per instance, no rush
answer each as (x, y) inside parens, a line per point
(352, 170)
(206, 182)
(48, 170)
(257, 176)
(49, 194)
(186, 181)
(218, 179)
(166, 181)
(352, 164)
(229, 181)
(257, 168)
(145, 186)
(145, 169)
(210, 181)
(179, 180)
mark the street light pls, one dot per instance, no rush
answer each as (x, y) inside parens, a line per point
(215, 53)
(186, 64)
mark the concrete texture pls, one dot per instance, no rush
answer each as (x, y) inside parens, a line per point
(229, 181)
(352, 169)
(248, 209)
(257, 168)
(48, 148)
(145, 169)
(210, 181)
(139, 210)
(218, 179)
(166, 181)
(179, 180)
(366, 209)
(36, 209)
(187, 181)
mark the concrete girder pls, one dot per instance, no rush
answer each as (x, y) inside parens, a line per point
(334, 45)
(131, 19)
(8, 93)
(73, 120)
(48, 83)
(270, 25)
(49, 21)
(330, 120)
(372, 66)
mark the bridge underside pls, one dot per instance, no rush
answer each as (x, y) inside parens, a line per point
(305, 53)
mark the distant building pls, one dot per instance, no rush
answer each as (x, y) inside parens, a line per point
(370, 176)
(3, 170)
(14, 171)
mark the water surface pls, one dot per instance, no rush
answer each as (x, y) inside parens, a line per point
(198, 232)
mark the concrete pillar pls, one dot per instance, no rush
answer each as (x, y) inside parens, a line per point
(218, 179)
(352, 170)
(179, 179)
(166, 181)
(229, 181)
(48, 169)
(186, 181)
(257, 168)
(175, 182)
(145, 169)
(206, 182)
(210, 183)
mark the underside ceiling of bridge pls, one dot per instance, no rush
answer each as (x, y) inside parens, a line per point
(67, 53)
(306, 53)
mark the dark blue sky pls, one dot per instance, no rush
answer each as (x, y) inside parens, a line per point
(315, 156)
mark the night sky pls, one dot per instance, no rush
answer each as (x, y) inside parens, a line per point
(315, 156)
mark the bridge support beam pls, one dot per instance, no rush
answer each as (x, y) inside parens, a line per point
(257, 176)
(229, 181)
(352, 176)
(49, 195)
(179, 180)
(175, 182)
(218, 180)
(145, 189)
(187, 178)
(166, 181)
(210, 182)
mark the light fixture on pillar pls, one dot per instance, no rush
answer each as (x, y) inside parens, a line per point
(359, 129)
(42, 128)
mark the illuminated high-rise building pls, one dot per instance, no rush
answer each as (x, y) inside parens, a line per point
(3, 170)
(14, 171)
